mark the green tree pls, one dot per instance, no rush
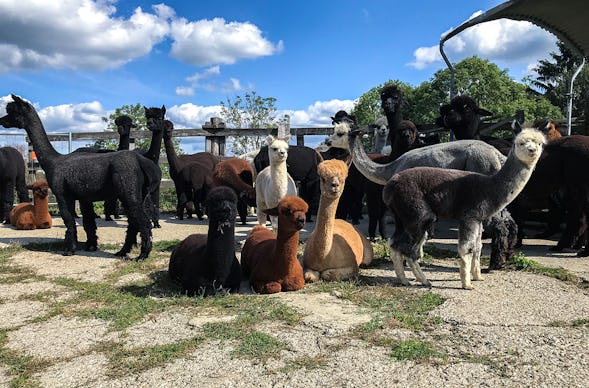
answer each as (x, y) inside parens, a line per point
(249, 112)
(137, 114)
(554, 77)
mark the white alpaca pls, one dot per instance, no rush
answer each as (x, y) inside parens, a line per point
(381, 133)
(273, 183)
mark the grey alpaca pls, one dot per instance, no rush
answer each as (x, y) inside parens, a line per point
(419, 196)
(12, 176)
(468, 155)
(88, 177)
(206, 263)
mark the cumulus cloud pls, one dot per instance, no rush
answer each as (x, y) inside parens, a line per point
(509, 41)
(205, 81)
(89, 35)
(192, 116)
(208, 42)
(318, 114)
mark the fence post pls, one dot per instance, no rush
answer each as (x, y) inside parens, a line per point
(214, 144)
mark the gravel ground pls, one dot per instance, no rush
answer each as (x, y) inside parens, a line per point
(513, 329)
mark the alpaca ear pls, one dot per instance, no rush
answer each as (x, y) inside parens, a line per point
(271, 212)
(516, 126)
(270, 139)
(164, 110)
(287, 138)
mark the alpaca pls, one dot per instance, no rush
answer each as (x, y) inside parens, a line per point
(392, 103)
(335, 249)
(89, 177)
(381, 134)
(192, 175)
(154, 118)
(270, 260)
(548, 128)
(206, 264)
(12, 176)
(419, 196)
(468, 155)
(124, 125)
(463, 116)
(237, 174)
(28, 216)
(301, 165)
(341, 116)
(273, 183)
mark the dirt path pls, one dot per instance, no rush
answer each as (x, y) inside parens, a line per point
(513, 329)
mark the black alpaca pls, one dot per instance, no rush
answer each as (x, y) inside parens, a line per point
(192, 175)
(89, 177)
(12, 176)
(206, 264)
(301, 165)
(155, 123)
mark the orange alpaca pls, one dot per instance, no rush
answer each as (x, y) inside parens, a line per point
(271, 259)
(28, 216)
(548, 128)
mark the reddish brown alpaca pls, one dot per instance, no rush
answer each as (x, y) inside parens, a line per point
(237, 174)
(28, 216)
(271, 259)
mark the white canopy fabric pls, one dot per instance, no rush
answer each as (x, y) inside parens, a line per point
(567, 19)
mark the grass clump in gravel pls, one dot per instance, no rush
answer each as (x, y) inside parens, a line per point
(415, 350)
(520, 263)
(308, 363)
(20, 367)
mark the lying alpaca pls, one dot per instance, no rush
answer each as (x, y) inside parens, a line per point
(335, 249)
(12, 176)
(28, 216)
(237, 174)
(90, 177)
(206, 264)
(273, 183)
(419, 196)
(270, 259)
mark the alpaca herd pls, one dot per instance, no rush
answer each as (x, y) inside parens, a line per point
(471, 180)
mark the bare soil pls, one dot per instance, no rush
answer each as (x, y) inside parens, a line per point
(513, 329)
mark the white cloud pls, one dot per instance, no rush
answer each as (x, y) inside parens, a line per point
(509, 41)
(195, 82)
(216, 41)
(319, 114)
(89, 35)
(77, 34)
(191, 116)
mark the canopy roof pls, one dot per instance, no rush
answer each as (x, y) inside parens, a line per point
(567, 19)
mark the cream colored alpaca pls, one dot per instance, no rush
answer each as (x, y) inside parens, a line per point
(335, 249)
(273, 183)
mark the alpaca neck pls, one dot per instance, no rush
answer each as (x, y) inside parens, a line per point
(173, 160)
(220, 244)
(376, 172)
(510, 180)
(279, 174)
(153, 153)
(45, 152)
(41, 207)
(393, 119)
(124, 143)
(323, 233)
(286, 247)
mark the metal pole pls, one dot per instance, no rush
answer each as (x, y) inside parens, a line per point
(69, 142)
(570, 96)
(451, 68)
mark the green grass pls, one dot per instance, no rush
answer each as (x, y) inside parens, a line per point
(520, 263)
(415, 350)
(20, 367)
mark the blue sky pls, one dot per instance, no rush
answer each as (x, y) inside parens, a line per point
(79, 60)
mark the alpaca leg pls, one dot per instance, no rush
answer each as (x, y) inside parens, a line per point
(476, 255)
(311, 276)
(466, 241)
(67, 212)
(397, 259)
(242, 211)
(6, 196)
(89, 223)
(414, 262)
(155, 199)
(336, 274)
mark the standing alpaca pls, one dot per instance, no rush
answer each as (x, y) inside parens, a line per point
(270, 259)
(273, 183)
(28, 216)
(419, 196)
(237, 174)
(381, 134)
(392, 102)
(124, 125)
(468, 155)
(206, 264)
(12, 176)
(192, 175)
(463, 116)
(89, 177)
(335, 249)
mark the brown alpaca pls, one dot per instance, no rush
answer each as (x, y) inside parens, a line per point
(548, 128)
(28, 216)
(271, 259)
(237, 174)
(335, 249)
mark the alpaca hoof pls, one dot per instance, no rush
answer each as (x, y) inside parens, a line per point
(108, 218)
(583, 253)
(467, 287)
(68, 253)
(141, 257)
(91, 247)
(156, 225)
(478, 278)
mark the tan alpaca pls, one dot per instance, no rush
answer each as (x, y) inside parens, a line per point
(335, 249)
(28, 216)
